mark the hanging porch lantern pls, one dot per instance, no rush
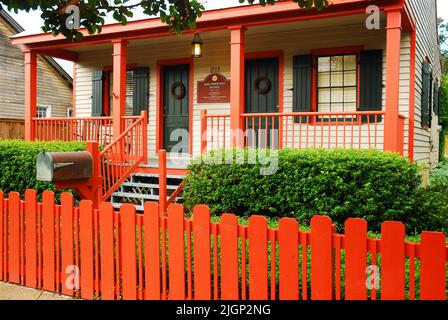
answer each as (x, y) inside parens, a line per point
(197, 46)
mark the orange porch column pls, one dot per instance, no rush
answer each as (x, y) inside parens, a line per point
(119, 85)
(30, 94)
(393, 46)
(237, 44)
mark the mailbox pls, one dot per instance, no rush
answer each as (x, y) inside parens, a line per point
(64, 166)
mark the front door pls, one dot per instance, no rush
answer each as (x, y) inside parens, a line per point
(262, 96)
(176, 108)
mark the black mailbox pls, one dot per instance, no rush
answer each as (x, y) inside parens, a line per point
(64, 166)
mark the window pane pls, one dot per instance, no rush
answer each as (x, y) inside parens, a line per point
(337, 63)
(337, 107)
(337, 95)
(350, 95)
(324, 64)
(350, 62)
(337, 79)
(350, 107)
(324, 107)
(324, 95)
(350, 78)
(324, 79)
(41, 112)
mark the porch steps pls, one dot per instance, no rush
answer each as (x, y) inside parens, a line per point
(143, 187)
(173, 162)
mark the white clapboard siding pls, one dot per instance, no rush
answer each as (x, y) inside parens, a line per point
(426, 140)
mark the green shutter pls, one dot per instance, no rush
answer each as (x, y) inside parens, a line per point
(302, 84)
(141, 90)
(426, 94)
(97, 93)
(436, 105)
(371, 82)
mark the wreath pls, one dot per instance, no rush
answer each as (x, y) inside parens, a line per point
(267, 85)
(178, 90)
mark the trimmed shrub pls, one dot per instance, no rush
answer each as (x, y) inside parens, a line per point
(431, 209)
(18, 164)
(339, 183)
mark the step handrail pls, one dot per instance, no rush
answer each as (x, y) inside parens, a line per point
(120, 159)
(175, 194)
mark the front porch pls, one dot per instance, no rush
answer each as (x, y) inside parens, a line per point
(295, 79)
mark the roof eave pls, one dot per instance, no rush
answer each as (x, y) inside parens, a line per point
(210, 20)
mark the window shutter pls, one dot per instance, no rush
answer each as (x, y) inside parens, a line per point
(97, 93)
(371, 83)
(302, 82)
(141, 90)
(426, 94)
(436, 102)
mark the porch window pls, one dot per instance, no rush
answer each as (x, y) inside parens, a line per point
(337, 83)
(129, 92)
(43, 111)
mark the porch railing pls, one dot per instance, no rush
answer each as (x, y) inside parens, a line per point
(120, 159)
(297, 130)
(98, 129)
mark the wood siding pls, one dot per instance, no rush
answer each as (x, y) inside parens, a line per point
(426, 140)
(52, 90)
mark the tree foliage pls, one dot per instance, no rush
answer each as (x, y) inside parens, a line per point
(443, 35)
(178, 14)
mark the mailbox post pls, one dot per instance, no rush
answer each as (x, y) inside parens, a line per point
(73, 170)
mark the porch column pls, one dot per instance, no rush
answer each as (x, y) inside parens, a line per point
(393, 46)
(30, 94)
(119, 85)
(237, 83)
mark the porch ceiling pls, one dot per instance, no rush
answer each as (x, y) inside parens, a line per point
(185, 39)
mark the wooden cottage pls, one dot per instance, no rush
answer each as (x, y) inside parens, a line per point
(267, 77)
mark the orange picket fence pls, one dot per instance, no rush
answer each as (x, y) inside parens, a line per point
(104, 254)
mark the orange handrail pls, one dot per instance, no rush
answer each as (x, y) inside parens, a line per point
(123, 156)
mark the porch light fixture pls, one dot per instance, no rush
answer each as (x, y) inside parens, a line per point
(196, 46)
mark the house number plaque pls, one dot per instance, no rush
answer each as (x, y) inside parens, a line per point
(214, 89)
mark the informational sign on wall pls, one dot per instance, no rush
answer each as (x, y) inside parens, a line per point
(214, 89)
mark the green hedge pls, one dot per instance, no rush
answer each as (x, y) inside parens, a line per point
(18, 163)
(339, 183)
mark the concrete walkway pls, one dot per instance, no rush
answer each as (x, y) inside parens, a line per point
(14, 292)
